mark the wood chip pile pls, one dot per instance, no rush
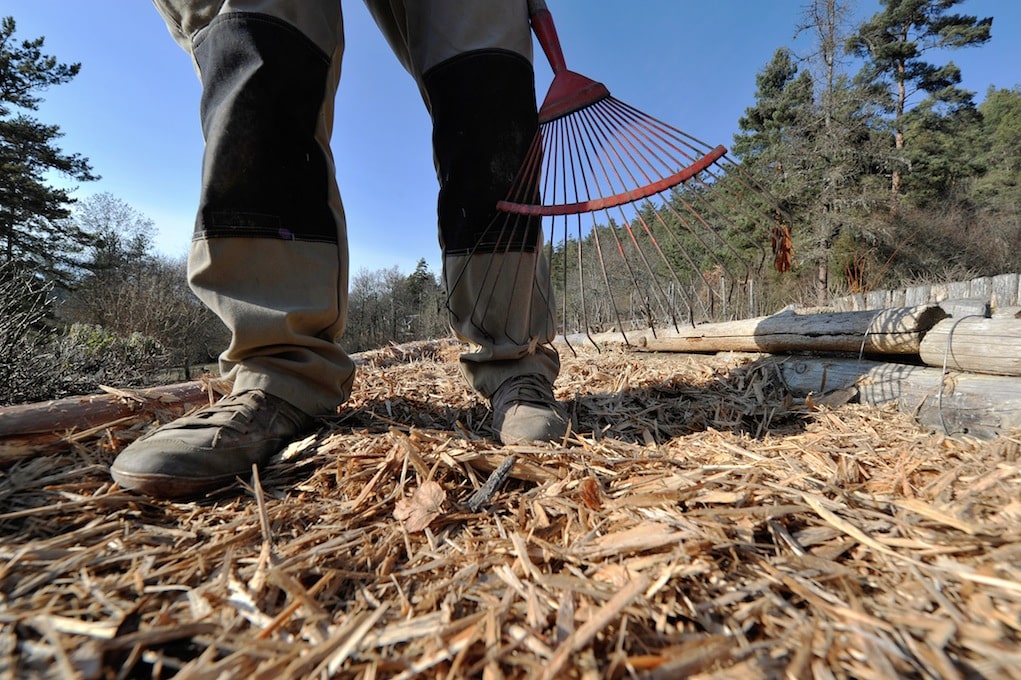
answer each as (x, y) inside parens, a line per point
(701, 523)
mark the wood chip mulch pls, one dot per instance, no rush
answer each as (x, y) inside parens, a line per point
(700, 523)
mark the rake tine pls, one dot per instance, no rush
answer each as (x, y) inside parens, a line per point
(581, 156)
(664, 215)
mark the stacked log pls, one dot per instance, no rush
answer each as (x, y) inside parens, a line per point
(887, 331)
(956, 403)
(969, 383)
(974, 344)
(27, 429)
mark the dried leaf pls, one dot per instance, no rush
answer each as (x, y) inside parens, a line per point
(425, 505)
(590, 493)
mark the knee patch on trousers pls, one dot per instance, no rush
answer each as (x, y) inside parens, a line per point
(265, 173)
(484, 119)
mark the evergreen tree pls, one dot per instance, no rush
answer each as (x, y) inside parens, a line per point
(998, 190)
(943, 155)
(895, 43)
(777, 138)
(772, 129)
(841, 158)
(33, 229)
(422, 285)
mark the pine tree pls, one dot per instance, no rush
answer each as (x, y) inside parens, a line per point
(778, 135)
(34, 232)
(998, 191)
(895, 43)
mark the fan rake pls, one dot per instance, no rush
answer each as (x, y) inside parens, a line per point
(648, 226)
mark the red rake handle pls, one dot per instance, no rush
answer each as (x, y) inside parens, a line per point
(591, 205)
(569, 92)
(546, 32)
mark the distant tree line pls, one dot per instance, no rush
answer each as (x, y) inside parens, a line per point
(387, 306)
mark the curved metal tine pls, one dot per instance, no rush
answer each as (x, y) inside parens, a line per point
(675, 139)
(524, 189)
(705, 205)
(588, 148)
(653, 136)
(744, 177)
(612, 162)
(554, 181)
(702, 235)
(651, 133)
(640, 146)
(554, 187)
(582, 287)
(578, 192)
(671, 272)
(580, 142)
(615, 170)
(657, 290)
(700, 232)
(505, 236)
(732, 186)
(597, 241)
(639, 128)
(699, 198)
(636, 129)
(725, 184)
(526, 186)
(662, 136)
(617, 161)
(770, 204)
(490, 284)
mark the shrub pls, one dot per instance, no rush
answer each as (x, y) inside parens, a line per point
(26, 366)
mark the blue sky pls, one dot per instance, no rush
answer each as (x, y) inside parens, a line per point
(133, 109)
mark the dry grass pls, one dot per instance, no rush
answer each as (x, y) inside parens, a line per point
(700, 524)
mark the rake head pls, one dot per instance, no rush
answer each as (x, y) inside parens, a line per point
(648, 227)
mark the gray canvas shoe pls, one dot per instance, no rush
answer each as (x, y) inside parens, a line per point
(207, 449)
(525, 411)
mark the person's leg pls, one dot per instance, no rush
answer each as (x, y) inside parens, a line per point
(472, 62)
(269, 254)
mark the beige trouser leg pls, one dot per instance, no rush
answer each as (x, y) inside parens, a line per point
(270, 252)
(270, 255)
(472, 63)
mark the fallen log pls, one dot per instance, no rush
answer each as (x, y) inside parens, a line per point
(25, 428)
(887, 331)
(974, 344)
(983, 406)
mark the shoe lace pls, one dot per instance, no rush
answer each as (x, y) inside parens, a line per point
(530, 389)
(236, 412)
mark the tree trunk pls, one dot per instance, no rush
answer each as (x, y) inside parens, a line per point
(898, 133)
(982, 406)
(25, 428)
(889, 331)
(974, 344)
(822, 281)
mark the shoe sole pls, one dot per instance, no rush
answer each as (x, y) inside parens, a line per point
(169, 486)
